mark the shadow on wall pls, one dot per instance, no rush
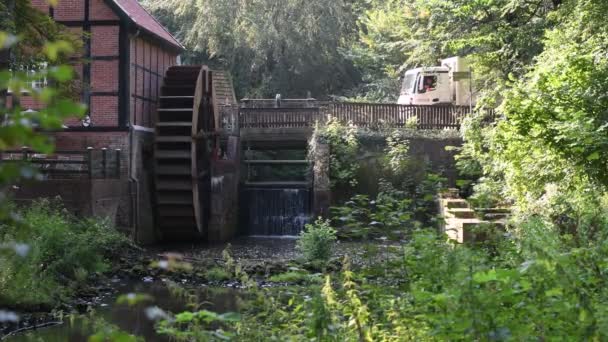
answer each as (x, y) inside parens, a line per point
(426, 155)
(83, 197)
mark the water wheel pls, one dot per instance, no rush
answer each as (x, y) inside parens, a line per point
(184, 144)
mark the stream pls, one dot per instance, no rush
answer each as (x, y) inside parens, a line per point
(134, 319)
(254, 254)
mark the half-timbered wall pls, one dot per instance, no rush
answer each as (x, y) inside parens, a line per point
(148, 65)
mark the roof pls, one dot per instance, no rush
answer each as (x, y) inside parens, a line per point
(144, 20)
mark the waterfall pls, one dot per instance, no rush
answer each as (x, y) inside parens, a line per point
(269, 211)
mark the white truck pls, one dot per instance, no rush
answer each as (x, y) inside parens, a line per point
(449, 83)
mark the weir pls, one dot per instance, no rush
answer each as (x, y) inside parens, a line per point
(275, 195)
(275, 211)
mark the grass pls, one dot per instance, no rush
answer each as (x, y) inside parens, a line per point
(295, 277)
(218, 274)
(61, 254)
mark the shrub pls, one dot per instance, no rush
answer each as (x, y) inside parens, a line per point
(218, 274)
(290, 277)
(316, 242)
(62, 252)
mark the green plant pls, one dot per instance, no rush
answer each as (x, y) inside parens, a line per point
(344, 145)
(294, 277)
(202, 325)
(392, 214)
(218, 274)
(62, 252)
(316, 242)
(397, 149)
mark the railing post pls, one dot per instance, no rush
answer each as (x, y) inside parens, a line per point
(117, 152)
(90, 162)
(104, 161)
(24, 152)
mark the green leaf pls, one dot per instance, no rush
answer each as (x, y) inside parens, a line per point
(54, 49)
(484, 277)
(593, 156)
(61, 73)
(7, 40)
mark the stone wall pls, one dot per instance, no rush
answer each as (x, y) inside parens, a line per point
(224, 215)
(142, 185)
(427, 150)
(82, 197)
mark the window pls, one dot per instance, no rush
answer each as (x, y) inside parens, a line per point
(31, 71)
(408, 84)
(39, 82)
(427, 83)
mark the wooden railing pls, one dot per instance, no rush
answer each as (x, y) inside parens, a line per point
(274, 103)
(394, 115)
(371, 115)
(279, 117)
(90, 163)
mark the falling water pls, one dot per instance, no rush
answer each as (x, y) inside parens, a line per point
(275, 212)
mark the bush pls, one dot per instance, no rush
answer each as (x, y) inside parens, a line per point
(62, 252)
(218, 274)
(316, 242)
(292, 277)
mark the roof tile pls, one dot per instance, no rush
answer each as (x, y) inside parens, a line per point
(145, 20)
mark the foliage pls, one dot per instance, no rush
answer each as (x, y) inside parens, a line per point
(393, 214)
(535, 286)
(40, 38)
(294, 277)
(316, 242)
(499, 37)
(397, 149)
(197, 326)
(218, 274)
(552, 132)
(290, 47)
(344, 148)
(486, 194)
(31, 38)
(62, 252)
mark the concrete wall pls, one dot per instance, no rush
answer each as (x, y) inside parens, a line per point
(224, 197)
(427, 151)
(142, 185)
(83, 197)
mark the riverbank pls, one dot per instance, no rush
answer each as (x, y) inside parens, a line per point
(163, 274)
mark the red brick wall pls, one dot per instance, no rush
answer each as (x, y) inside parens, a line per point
(69, 10)
(82, 140)
(98, 10)
(104, 86)
(41, 5)
(148, 65)
(104, 111)
(104, 40)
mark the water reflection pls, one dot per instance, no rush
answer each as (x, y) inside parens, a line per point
(133, 319)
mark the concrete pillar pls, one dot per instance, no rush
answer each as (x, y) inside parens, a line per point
(321, 181)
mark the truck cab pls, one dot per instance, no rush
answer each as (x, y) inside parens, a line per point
(449, 83)
(426, 86)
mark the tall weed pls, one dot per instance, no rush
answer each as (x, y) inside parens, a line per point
(63, 252)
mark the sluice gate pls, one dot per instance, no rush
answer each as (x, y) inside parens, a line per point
(276, 196)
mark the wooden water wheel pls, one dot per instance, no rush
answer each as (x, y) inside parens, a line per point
(184, 145)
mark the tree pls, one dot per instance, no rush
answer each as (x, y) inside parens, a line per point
(31, 37)
(269, 46)
(554, 128)
(499, 37)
